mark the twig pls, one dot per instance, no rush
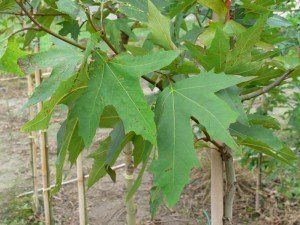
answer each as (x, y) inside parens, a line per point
(25, 29)
(12, 78)
(268, 87)
(34, 14)
(67, 182)
(101, 32)
(47, 30)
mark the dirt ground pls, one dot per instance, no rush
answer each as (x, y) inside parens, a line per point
(105, 201)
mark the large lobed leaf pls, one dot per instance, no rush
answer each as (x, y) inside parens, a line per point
(159, 26)
(62, 59)
(116, 82)
(192, 97)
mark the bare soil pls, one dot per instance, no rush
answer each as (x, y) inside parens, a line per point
(105, 201)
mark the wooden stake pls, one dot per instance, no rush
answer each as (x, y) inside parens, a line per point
(33, 146)
(44, 154)
(216, 188)
(130, 205)
(217, 206)
(81, 191)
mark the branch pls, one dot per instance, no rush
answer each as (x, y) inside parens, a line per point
(101, 32)
(47, 30)
(25, 29)
(34, 14)
(268, 87)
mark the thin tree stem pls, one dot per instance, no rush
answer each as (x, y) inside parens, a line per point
(46, 29)
(230, 188)
(268, 87)
(130, 204)
(258, 184)
(34, 14)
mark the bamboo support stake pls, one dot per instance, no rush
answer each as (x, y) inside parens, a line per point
(44, 155)
(216, 188)
(130, 205)
(117, 167)
(81, 191)
(216, 195)
(33, 143)
(33, 146)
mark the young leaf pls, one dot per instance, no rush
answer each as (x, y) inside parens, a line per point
(217, 6)
(9, 60)
(159, 26)
(98, 169)
(107, 153)
(178, 6)
(63, 60)
(140, 147)
(245, 42)
(231, 97)
(263, 140)
(41, 121)
(216, 55)
(144, 149)
(71, 143)
(116, 83)
(174, 109)
(137, 9)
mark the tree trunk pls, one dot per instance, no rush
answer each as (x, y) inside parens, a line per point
(230, 187)
(258, 184)
(130, 205)
(216, 188)
(44, 154)
(81, 191)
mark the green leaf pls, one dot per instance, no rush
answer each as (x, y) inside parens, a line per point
(178, 6)
(216, 55)
(159, 26)
(8, 5)
(263, 140)
(71, 143)
(114, 28)
(174, 109)
(142, 149)
(118, 141)
(63, 60)
(98, 168)
(264, 120)
(69, 7)
(41, 121)
(70, 27)
(245, 42)
(116, 82)
(155, 200)
(137, 9)
(109, 117)
(139, 151)
(232, 97)
(46, 21)
(9, 60)
(217, 6)
(107, 153)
